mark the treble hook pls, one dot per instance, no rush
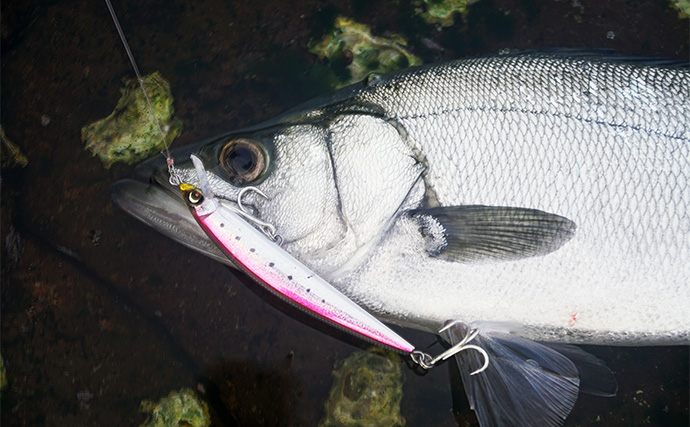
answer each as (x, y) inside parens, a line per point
(268, 228)
(244, 191)
(427, 362)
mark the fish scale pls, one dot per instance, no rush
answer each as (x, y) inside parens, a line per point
(592, 150)
(599, 141)
(625, 95)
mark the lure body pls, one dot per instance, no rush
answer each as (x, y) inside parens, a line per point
(279, 272)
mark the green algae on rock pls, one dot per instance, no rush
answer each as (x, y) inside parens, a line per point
(442, 11)
(367, 390)
(352, 45)
(181, 408)
(130, 133)
(12, 155)
(3, 375)
(683, 6)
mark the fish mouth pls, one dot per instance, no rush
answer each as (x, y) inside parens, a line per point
(153, 200)
(160, 205)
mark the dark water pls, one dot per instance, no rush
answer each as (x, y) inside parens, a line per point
(99, 312)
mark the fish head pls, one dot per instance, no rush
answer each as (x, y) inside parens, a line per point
(330, 187)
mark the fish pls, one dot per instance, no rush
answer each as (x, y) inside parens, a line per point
(517, 204)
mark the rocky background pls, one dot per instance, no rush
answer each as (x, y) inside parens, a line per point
(98, 312)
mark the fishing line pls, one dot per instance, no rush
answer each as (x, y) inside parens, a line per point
(174, 177)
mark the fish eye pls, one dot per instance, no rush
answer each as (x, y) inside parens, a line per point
(243, 159)
(195, 197)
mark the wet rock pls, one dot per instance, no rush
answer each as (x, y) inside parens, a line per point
(367, 389)
(130, 133)
(354, 52)
(442, 11)
(181, 408)
(12, 155)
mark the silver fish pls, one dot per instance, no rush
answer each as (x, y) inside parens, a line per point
(535, 200)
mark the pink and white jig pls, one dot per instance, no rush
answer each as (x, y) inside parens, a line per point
(278, 271)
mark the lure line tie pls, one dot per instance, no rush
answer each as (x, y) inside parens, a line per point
(427, 362)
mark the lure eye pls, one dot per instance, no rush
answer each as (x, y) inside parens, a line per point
(195, 197)
(244, 160)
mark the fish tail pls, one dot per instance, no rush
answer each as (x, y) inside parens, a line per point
(526, 383)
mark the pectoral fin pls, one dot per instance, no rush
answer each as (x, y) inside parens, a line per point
(479, 233)
(526, 383)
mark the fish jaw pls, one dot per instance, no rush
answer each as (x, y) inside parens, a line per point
(163, 210)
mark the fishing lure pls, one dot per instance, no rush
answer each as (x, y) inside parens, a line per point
(256, 252)
(259, 256)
